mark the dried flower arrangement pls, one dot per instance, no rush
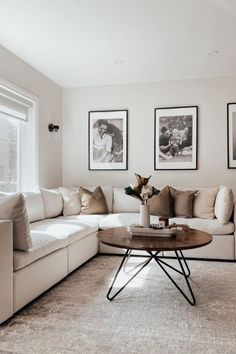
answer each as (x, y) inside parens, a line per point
(141, 190)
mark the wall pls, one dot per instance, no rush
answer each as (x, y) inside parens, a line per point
(211, 96)
(20, 73)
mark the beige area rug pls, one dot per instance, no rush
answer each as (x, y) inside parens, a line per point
(149, 316)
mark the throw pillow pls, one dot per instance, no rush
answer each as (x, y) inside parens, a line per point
(12, 207)
(161, 204)
(93, 202)
(52, 201)
(182, 202)
(204, 202)
(108, 193)
(71, 201)
(224, 204)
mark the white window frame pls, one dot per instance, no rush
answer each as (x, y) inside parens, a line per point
(27, 180)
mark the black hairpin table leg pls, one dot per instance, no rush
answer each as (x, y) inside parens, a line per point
(191, 299)
(143, 265)
(175, 269)
(185, 263)
(184, 271)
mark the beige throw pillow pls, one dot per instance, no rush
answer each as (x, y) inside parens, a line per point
(224, 204)
(182, 202)
(108, 194)
(71, 201)
(204, 202)
(93, 202)
(12, 207)
(161, 204)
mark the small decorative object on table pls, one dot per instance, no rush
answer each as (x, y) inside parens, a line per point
(163, 221)
(143, 192)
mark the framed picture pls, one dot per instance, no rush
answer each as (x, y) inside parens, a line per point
(175, 139)
(108, 140)
(231, 135)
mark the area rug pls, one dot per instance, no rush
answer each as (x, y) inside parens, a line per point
(149, 316)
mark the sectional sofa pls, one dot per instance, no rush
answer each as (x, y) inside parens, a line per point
(62, 239)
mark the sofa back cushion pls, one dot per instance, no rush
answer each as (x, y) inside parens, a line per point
(71, 201)
(34, 205)
(93, 202)
(224, 204)
(52, 201)
(124, 203)
(204, 203)
(12, 207)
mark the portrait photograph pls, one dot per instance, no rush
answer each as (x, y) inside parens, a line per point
(175, 138)
(231, 134)
(108, 140)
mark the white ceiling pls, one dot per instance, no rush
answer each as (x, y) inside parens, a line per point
(76, 42)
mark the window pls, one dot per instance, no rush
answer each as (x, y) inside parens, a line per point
(18, 143)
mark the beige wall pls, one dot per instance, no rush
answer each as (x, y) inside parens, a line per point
(211, 96)
(20, 73)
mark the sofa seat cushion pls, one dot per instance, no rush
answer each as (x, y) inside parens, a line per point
(69, 227)
(93, 218)
(213, 227)
(43, 244)
(123, 219)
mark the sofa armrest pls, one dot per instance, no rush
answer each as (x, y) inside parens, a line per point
(6, 270)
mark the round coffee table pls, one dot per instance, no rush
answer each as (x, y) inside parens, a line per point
(183, 240)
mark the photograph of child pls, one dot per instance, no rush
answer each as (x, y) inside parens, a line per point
(175, 138)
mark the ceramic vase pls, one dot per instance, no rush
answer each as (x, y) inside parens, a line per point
(144, 215)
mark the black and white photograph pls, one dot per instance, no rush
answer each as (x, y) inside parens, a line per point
(108, 140)
(175, 138)
(231, 134)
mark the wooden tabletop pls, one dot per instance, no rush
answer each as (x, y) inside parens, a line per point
(121, 238)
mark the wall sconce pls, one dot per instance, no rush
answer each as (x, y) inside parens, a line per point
(53, 128)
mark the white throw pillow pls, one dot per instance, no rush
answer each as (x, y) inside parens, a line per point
(34, 205)
(12, 207)
(52, 201)
(224, 204)
(71, 201)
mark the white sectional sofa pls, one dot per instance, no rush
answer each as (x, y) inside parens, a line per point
(60, 243)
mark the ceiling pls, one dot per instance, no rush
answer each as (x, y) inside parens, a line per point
(98, 42)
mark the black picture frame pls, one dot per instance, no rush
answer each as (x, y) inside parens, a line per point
(231, 135)
(108, 142)
(176, 138)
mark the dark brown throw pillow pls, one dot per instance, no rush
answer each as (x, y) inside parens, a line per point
(93, 202)
(161, 204)
(182, 202)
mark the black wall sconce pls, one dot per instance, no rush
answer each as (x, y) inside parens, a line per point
(53, 128)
